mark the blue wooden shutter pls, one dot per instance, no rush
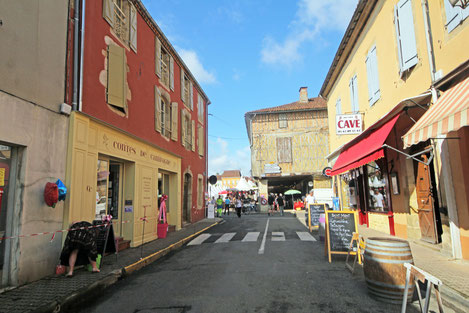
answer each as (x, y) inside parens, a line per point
(405, 33)
(454, 15)
(354, 94)
(338, 107)
(373, 79)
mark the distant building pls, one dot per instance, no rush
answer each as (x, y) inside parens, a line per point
(289, 144)
(231, 178)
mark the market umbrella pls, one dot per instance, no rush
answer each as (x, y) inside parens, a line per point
(292, 192)
(223, 192)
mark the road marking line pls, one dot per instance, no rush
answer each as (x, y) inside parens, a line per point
(199, 239)
(225, 238)
(251, 236)
(305, 236)
(278, 236)
(261, 249)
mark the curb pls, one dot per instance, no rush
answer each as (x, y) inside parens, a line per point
(61, 305)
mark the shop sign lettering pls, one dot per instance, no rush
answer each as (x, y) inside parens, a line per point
(346, 124)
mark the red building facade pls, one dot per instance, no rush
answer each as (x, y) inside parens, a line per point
(148, 114)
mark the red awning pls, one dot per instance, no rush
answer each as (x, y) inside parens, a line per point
(364, 149)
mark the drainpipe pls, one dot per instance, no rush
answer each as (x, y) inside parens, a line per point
(429, 39)
(82, 44)
(75, 54)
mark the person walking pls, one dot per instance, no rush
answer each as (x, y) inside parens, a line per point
(227, 205)
(281, 203)
(270, 201)
(219, 206)
(239, 205)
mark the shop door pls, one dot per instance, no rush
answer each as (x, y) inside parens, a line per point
(186, 206)
(114, 195)
(426, 208)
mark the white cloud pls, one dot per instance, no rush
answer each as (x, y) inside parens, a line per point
(192, 61)
(312, 18)
(221, 158)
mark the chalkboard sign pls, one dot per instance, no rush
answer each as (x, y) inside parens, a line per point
(314, 211)
(105, 240)
(340, 226)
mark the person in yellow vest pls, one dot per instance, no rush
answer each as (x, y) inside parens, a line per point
(219, 206)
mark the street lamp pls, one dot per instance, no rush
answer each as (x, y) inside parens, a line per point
(459, 3)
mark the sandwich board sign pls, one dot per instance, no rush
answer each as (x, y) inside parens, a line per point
(340, 226)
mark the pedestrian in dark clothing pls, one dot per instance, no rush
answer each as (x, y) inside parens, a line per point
(281, 203)
(271, 201)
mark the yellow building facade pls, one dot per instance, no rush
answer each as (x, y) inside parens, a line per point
(112, 173)
(387, 64)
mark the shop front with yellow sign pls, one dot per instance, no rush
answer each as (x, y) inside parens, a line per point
(110, 172)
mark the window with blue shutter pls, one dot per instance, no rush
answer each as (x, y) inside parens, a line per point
(454, 15)
(354, 94)
(405, 33)
(372, 76)
(338, 107)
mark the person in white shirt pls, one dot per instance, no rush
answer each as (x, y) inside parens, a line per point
(379, 200)
(310, 199)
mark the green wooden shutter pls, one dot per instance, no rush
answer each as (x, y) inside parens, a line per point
(193, 135)
(158, 56)
(171, 73)
(182, 86)
(183, 128)
(174, 121)
(116, 76)
(133, 27)
(108, 11)
(157, 109)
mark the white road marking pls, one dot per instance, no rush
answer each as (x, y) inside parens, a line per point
(305, 236)
(278, 236)
(225, 238)
(197, 241)
(261, 249)
(251, 236)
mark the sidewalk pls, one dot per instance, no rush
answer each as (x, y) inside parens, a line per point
(57, 293)
(453, 273)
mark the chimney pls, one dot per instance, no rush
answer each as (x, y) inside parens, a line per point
(303, 94)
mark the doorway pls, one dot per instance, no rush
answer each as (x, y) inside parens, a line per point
(428, 212)
(187, 199)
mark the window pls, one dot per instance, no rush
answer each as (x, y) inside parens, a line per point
(200, 107)
(354, 94)
(187, 94)
(116, 78)
(187, 130)
(377, 195)
(338, 107)
(282, 120)
(454, 15)
(122, 16)
(164, 65)
(405, 33)
(372, 76)
(164, 115)
(284, 154)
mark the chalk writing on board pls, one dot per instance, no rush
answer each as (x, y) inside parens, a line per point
(315, 211)
(341, 228)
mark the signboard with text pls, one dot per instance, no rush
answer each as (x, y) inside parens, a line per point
(346, 124)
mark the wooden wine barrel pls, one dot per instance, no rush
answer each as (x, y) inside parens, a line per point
(384, 268)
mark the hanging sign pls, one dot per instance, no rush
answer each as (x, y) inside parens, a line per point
(327, 171)
(346, 124)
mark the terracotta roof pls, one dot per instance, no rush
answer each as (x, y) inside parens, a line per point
(312, 104)
(231, 173)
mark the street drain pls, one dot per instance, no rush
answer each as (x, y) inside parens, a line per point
(168, 309)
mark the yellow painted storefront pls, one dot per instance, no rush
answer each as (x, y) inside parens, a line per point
(96, 152)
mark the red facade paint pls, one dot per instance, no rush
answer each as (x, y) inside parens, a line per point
(141, 79)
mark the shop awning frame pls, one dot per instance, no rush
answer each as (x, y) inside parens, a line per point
(413, 156)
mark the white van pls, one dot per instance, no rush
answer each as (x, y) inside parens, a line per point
(324, 195)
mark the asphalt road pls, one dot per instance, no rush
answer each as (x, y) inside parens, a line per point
(287, 275)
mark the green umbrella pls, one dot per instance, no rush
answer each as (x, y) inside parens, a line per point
(292, 192)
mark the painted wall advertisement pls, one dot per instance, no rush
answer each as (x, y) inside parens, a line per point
(346, 124)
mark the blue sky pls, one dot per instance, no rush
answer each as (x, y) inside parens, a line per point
(248, 55)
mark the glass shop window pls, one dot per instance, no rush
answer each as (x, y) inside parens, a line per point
(377, 195)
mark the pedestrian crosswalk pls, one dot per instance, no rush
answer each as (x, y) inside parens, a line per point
(249, 237)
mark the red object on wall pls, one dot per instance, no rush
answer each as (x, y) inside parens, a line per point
(391, 223)
(51, 194)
